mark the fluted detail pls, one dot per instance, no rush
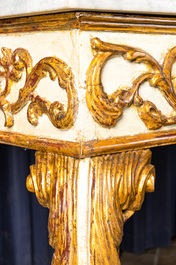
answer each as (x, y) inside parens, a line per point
(53, 178)
(118, 183)
(118, 186)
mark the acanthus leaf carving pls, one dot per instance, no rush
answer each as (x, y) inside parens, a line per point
(54, 179)
(13, 63)
(118, 186)
(107, 109)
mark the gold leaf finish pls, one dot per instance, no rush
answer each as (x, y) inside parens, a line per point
(118, 186)
(53, 178)
(13, 64)
(107, 109)
(118, 183)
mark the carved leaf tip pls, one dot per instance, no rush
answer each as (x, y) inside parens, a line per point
(95, 43)
(150, 115)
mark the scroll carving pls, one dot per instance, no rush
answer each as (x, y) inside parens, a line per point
(12, 64)
(118, 186)
(107, 109)
(53, 178)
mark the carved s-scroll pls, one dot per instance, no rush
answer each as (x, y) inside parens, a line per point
(118, 186)
(13, 64)
(53, 178)
(107, 109)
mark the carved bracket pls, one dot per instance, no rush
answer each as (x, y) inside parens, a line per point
(118, 183)
(53, 178)
(118, 186)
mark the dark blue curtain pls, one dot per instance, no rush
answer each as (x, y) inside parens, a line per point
(23, 222)
(155, 224)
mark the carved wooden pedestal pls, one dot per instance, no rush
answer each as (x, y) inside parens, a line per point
(116, 187)
(90, 92)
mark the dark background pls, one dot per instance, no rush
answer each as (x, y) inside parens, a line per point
(23, 222)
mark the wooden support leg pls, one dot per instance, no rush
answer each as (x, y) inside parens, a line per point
(106, 189)
(53, 178)
(118, 186)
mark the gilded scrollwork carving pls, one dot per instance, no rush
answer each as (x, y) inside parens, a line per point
(107, 109)
(53, 178)
(118, 185)
(13, 64)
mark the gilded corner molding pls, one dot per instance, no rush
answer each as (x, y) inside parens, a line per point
(107, 109)
(12, 64)
(118, 186)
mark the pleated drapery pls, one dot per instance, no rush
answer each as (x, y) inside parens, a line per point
(155, 224)
(23, 222)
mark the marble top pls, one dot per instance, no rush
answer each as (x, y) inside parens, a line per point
(10, 8)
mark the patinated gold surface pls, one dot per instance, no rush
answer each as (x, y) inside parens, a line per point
(107, 109)
(15, 62)
(90, 21)
(12, 66)
(118, 186)
(53, 178)
(90, 148)
(118, 181)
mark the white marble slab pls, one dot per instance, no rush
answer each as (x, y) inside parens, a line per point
(11, 8)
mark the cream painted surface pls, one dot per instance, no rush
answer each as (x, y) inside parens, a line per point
(118, 73)
(83, 215)
(61, 44)
(73, 47)
(24, 7)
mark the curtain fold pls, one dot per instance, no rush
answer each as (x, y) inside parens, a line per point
(155, 224)
(23, 222)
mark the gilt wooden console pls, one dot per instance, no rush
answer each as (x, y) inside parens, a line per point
(90, 92)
